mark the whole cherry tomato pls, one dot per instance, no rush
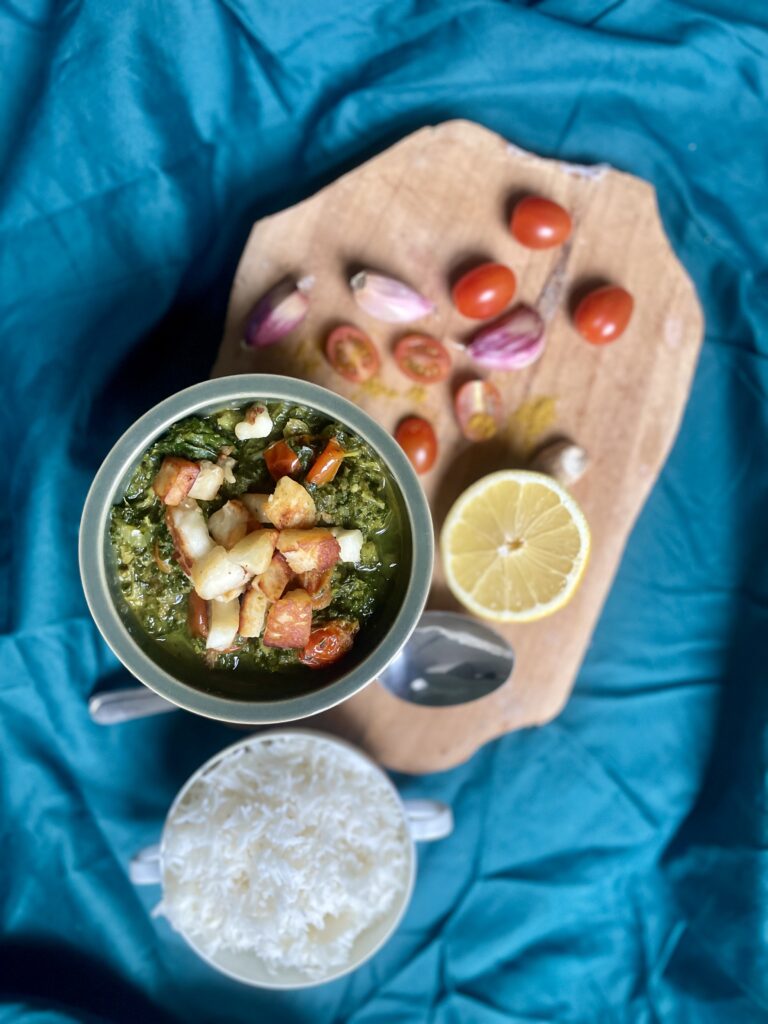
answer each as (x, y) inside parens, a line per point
(478, 405)
(422, 358)
(539, 223)
(328, 643)
(352, 353)
(197, 615)
(602, 315)
(484, 291)
(281, 460)
(417, 439)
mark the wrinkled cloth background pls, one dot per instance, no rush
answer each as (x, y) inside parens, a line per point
(609, 867)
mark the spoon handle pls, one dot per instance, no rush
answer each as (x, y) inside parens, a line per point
(117, 706)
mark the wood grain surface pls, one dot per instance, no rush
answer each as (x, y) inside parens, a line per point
(435, 203)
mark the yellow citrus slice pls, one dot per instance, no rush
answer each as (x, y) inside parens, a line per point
(514, 546)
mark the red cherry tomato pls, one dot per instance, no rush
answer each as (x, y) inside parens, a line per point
(281, 460)
(326, 465)
(484, 291)
(197, 615)
(352, 353)
(422, 358)
(328, 643)
(603, 315)
(417, 439)
(478, 405)
(539, 223)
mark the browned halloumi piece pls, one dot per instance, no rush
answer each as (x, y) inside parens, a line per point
(222, 625)
(289, 621)
(291, 506)
(273, 581)
(208, 482)
(308, 550)
(229, 524)
(215, 573)
(253, 610)
(254, 552)
(318, 586)
(174, 480)
(189, 532)
(257, 505)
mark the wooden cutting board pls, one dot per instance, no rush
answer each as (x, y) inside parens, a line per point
(436, 202)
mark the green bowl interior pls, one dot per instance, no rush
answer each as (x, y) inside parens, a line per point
(244, 683)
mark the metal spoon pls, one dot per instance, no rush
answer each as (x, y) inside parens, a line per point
(449, 659)
(124, 705)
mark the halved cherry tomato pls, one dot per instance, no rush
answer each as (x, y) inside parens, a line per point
(603, 315)
(197, 615)
(326, 465)
(540, 223)
(478, 405)
(328, 643)
(484, 291)
(282, 460)
(417, 439)
(422, 358)
(352, 353)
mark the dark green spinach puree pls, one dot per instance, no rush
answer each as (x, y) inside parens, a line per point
(258, 537)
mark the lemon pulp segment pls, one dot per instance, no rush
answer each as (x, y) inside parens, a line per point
(514, 546)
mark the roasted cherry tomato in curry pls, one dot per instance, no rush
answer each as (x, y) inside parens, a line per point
(328, 643)
(282, 460)
(326, 465)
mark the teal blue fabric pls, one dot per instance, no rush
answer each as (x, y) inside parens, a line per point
(609, 867)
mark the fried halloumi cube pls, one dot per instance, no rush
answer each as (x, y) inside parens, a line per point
(228, 525)
(289, 621)
(174, 480)
(215, 573)
(350, 543)
(208, 482)
(257, 423)
(257, 506)
(222, 625)
(189, 532)
(308, 550)
(291, 506)
(254, 552)
(275, 579)
(253, 611)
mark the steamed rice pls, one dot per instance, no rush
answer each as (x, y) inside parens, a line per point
(287, 849)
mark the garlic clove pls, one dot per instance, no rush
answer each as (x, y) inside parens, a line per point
(277, 313)
(564, 460)
(387, 299)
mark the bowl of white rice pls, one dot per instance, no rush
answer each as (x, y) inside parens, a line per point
(288, 859)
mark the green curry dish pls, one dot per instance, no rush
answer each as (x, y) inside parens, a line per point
(333, 540)
(161, 595)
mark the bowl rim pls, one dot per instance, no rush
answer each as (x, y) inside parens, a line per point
(130, 446)
(397, 912)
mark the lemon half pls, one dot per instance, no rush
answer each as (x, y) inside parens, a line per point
(514, 546)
